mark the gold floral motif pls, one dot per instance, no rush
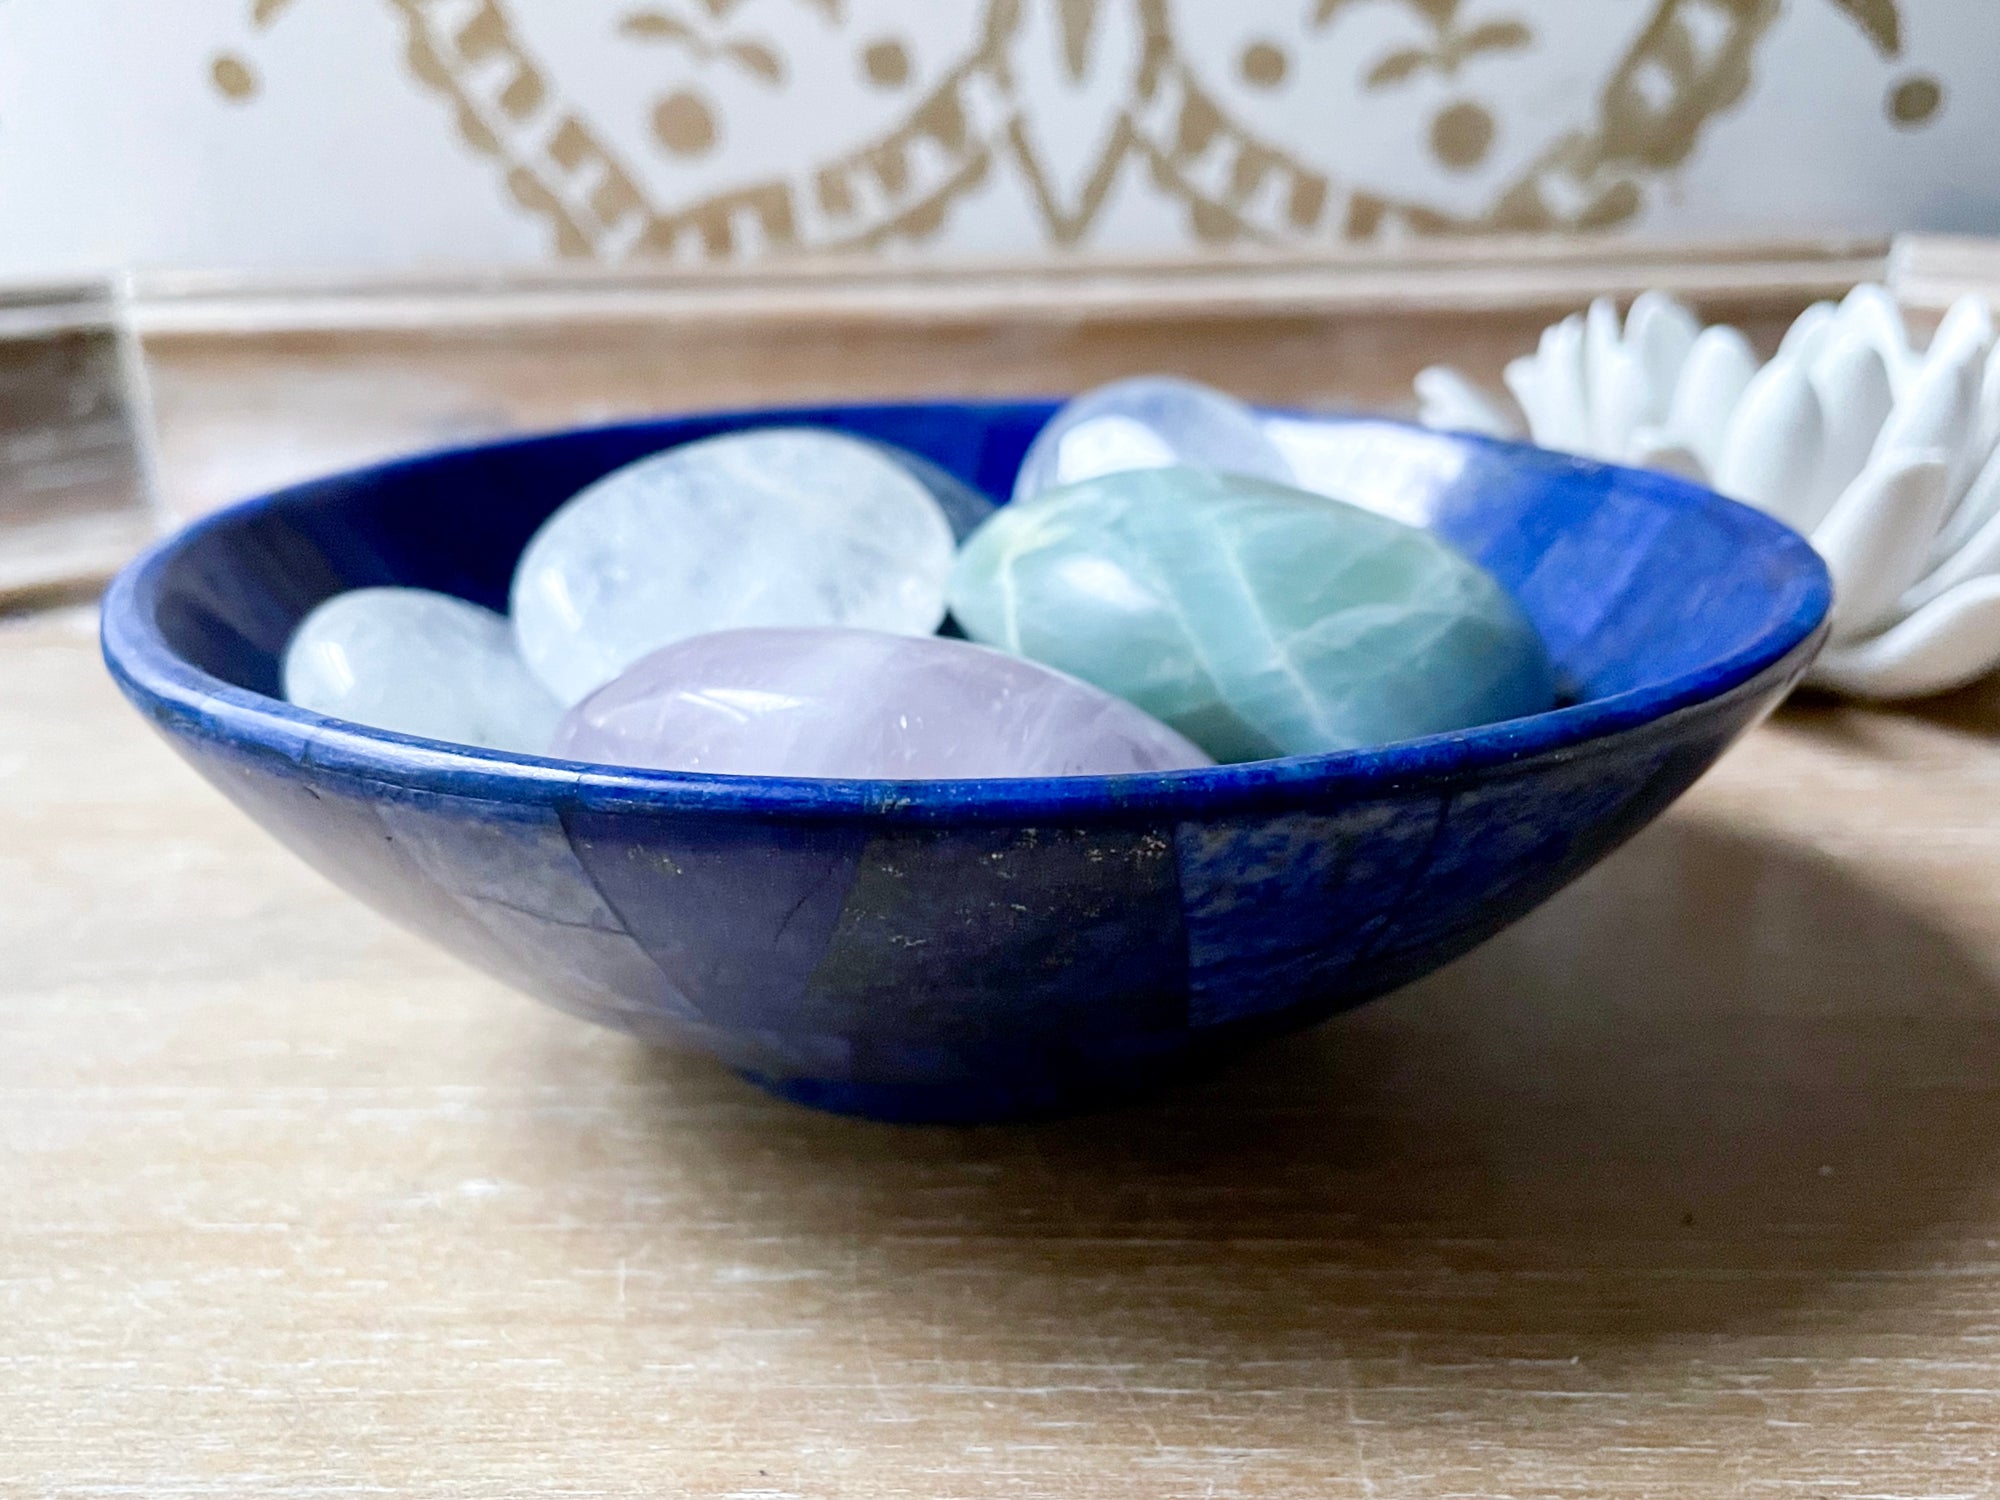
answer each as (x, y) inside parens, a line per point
(1879, 19)
(1453, 43)
(1690, 62)
(753, 56)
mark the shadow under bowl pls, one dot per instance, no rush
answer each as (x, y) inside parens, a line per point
(976, 950)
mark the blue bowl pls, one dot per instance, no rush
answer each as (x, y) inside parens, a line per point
(975, 950)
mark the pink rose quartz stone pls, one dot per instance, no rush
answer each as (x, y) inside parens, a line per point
(861, 705)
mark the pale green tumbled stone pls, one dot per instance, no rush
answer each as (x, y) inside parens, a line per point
(1257, 620)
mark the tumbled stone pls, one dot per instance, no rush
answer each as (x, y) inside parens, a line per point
(965, 508)
(861, 705)
(419, 663)
(782, 526)
(1150, 422)
(1258, 620)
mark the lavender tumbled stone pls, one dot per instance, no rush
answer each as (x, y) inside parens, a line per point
(861, 705)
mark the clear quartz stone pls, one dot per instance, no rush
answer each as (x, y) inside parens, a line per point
(1258, 620)
(419, 663)
(1149, 422)
(782, 526)
(864, 705)
(964, 507)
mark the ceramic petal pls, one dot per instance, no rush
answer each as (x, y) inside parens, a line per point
(1807, 338)
(1949, 642)
(1661, 333)
(1774, 440)
(1974, 554)
(1872, 311)
(1560, 377)
(1852, 384)
(1719, 369)
(1450, 402)
(1935, 412)
(1877, 537)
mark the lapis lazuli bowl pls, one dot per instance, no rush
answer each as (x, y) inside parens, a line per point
(975, 950)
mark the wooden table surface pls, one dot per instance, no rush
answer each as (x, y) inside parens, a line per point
(1687, 1186)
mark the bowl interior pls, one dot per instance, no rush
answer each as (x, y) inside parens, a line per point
(1639, 583)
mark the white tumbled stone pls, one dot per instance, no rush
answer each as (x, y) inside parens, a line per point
(420, 663)
(1149, 422)
(781, 527)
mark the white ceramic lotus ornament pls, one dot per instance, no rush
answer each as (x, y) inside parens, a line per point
(1888, 457)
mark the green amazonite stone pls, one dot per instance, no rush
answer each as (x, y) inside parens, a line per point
(1257, 620)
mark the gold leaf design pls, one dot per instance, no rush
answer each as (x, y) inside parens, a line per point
(1880, 20)
(1451, 47)
(1403, 63)
(1439, 14)
(1496, 36)
(752, 57)
(756, 58)
(1235, 186)
(1079, 20)
(658, 26)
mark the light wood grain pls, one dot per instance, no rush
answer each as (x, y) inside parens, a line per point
(1688, 1186)
(1476, 274)
(1929, 272)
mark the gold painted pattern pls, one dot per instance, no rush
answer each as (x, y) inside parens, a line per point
(602, 197)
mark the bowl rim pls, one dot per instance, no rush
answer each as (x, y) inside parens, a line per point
(184, 699)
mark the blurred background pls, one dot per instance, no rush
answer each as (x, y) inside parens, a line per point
(391, 134)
